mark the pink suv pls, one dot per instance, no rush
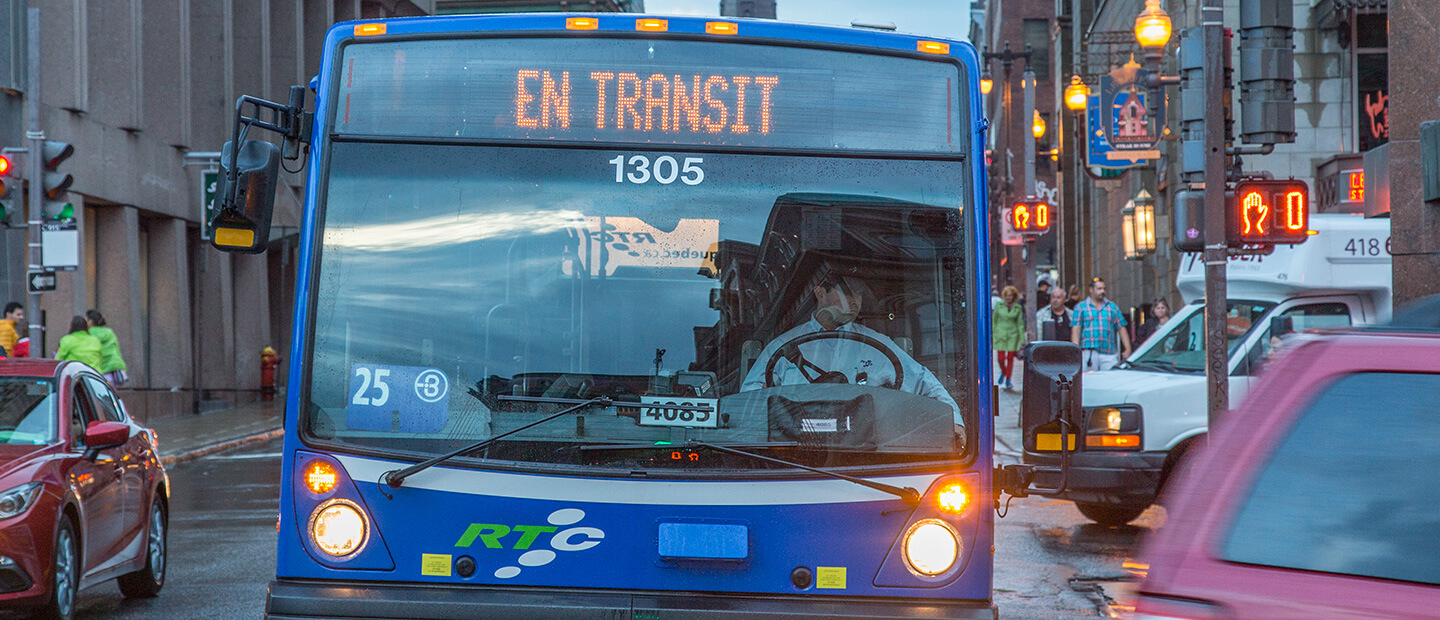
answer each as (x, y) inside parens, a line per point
(1319, 497)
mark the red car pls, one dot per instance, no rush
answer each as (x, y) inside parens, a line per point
(1318, 497)
(83, 496)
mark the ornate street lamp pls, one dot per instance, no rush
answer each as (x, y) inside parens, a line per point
(1127, 232)
(1152, 26)
(1077, 94)
(1037, 126)
(987, 83)
(1144, 223)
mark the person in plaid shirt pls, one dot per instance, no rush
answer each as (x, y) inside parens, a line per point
(1096, 323)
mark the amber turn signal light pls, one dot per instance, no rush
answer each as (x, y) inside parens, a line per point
(320, 477)
(953, 498)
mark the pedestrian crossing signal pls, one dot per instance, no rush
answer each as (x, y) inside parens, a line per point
(1031, 217)
(1268, 212)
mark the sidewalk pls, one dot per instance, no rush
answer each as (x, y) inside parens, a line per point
(187, 437)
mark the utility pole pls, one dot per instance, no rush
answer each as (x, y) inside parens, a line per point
(1027, 83)
(35, 133)
(1217, 372)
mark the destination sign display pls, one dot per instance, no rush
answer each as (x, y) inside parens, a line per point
(649, 91)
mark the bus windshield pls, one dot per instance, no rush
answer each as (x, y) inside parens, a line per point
(811, 305)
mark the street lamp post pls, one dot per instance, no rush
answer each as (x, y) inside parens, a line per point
(1007, 60)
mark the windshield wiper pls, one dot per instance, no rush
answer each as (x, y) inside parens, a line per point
(1160, 365)
(670, 445)
(910, 495)
(396, 477)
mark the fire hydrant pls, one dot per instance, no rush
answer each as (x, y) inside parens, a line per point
(268, 361)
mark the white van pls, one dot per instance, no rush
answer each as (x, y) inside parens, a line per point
(1340, 276)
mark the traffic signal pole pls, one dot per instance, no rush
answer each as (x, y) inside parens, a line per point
(36, 135)
(1027, 83)
(1217, 372)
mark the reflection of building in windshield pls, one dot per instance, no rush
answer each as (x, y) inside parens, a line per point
(907, 254)
(616, 242)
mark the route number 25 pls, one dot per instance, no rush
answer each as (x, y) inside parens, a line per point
(663, 170)
(372, 381)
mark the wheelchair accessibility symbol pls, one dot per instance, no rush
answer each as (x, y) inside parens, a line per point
(431, 385)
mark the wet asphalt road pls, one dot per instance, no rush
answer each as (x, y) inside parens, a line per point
(222, 541)
(1051, 562)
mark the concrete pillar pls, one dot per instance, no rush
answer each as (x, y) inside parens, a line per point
(118, 289)
(1414, 226)
(252, 320)
(217, 323)
(170, 346)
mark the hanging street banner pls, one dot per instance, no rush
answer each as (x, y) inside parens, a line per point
(1122, 133)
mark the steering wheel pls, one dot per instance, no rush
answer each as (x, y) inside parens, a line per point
(791, 351)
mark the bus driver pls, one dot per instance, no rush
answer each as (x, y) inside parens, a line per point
(848, 360)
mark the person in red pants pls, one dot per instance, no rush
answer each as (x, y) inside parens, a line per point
(1007, 325)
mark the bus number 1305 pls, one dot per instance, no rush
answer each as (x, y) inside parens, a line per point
(663, 169)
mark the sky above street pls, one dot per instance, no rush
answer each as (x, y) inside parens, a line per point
(937, 18)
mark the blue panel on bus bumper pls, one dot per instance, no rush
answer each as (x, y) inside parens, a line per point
(704, 541)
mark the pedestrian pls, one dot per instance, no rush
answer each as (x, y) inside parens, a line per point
(1054, 312)
(22, 348)
(1095, 324)
(1042, 293)
(9, 332)
(1008, 329)
(79, 345)
(1075, 297)
(111, 364)
(1160, 309)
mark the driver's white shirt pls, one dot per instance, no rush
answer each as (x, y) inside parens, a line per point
(850, 357)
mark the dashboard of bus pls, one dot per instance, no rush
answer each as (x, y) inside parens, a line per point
(813, 305)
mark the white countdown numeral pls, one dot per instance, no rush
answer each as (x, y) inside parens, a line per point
(664, 169)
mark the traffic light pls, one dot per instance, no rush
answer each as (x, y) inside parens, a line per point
(10, 200)
(56, 183)
(1267, 72)
(1031, 217)
(1268, 212)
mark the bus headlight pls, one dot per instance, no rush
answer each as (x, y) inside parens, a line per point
(931, 547)
(339, 527)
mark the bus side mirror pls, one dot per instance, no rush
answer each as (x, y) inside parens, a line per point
(244, 225)
(1050, 414)
(1281, 325)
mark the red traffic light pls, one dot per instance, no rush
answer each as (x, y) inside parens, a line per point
(1268, 212)
(4, 165)
(1031, 217)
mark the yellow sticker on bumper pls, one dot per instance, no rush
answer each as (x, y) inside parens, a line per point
(830, 577)
(435, 564)
(1051, 442)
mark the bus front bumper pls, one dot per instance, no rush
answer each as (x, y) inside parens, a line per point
(331, 599)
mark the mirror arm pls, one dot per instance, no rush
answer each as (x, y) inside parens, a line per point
(286, 119)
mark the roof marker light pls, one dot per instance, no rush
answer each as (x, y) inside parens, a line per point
(369, 30)
(581, 23)
(652, 25)
(721, 27)
(933, 47)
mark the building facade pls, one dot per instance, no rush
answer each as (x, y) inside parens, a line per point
(135, 87)
(1341, 121)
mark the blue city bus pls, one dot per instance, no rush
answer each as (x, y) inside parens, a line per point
(617, 316)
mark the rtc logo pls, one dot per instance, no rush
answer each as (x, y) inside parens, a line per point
(569, 539)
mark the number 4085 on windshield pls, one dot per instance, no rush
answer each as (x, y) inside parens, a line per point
(640, 169)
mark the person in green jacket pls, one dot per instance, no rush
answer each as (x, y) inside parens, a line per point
(111, 364)
(79, 345)
(1007, 326)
